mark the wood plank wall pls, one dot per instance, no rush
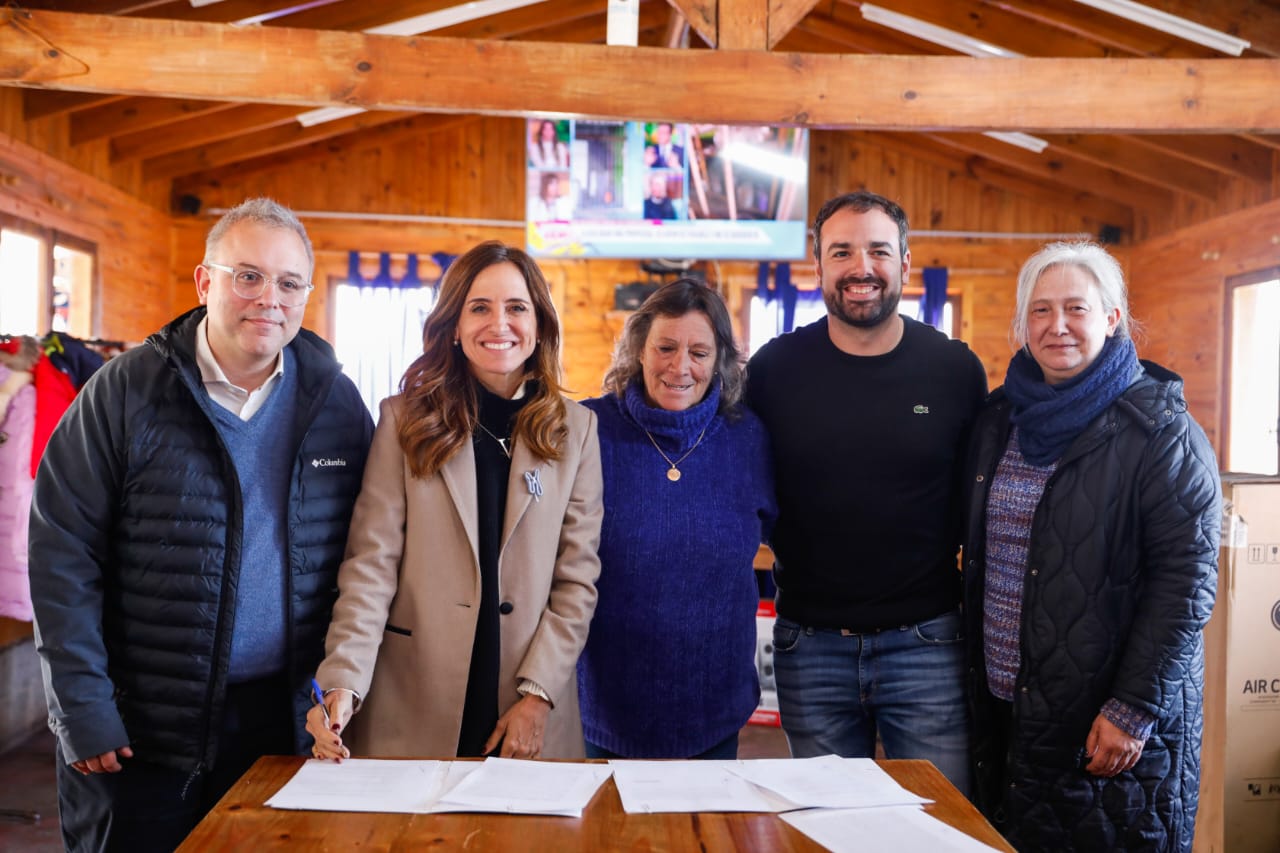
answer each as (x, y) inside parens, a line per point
(52, 136)
(132, 238)
(1170, 276)
(484, 180)
(1178, 286)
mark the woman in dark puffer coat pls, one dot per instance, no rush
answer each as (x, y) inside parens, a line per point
(1090, 568)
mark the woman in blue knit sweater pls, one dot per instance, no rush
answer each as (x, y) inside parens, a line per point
(669, 666)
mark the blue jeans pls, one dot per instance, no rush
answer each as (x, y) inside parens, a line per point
(836, 688)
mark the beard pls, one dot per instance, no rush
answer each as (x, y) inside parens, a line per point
(865, 315)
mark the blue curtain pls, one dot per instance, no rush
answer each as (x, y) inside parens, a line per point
(781, 289)
(935, 296)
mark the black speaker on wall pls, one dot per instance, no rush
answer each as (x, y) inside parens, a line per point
(188, 204)
(1109, 235)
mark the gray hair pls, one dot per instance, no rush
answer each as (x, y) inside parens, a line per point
(261, 211)
(1090, 257)
(676, 299)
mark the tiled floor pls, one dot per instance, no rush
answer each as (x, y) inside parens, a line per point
(27, 788)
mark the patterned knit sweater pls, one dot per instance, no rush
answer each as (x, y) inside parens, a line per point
(669, 666)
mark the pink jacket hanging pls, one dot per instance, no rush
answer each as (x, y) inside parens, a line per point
(17, 430)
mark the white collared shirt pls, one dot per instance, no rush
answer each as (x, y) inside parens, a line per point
(221, 390)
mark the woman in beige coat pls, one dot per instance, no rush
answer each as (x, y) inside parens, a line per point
(470, 574)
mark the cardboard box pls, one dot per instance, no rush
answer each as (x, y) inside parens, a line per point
(1240, 759)
(767, 712)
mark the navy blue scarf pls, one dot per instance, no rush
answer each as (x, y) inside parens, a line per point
(1049, 417)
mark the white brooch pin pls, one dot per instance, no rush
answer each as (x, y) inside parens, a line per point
(535, 485)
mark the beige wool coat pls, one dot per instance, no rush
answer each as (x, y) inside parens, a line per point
(409, 592)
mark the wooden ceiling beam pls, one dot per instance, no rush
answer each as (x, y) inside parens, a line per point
(1269, 141)
(200, 130)
(1231, 155)
(319, 146)
(528, 20)
(104, 7)
(742, 25)
(784, 15)
(134, 115)
(1148, 165)
(1047, 166)
(151, 57)
(989, 22)
(364, 14)
(1257, 23)
(855, 38)
(190, 152)
(251, 145)
(1041, 186)
(46, 103)
(1117, 36)
(701, 15)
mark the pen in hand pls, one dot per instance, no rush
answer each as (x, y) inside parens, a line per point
(318, 695)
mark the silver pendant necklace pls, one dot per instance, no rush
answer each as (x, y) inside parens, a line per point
(504, 443)
(674, 473)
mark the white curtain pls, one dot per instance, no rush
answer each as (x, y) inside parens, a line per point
(378, 333)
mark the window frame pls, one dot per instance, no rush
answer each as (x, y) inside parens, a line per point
(1259, 276)
(52, 238)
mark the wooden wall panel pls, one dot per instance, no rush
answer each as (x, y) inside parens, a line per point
(132, 238)
(51, 137)
(1178, 289)
(481, 176)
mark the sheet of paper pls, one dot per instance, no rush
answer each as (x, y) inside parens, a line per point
(902, 829)
(363, 785)
(526, 787)
(827, 782)
(689, 786)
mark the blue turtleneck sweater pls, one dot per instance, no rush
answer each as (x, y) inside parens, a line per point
(669, 667)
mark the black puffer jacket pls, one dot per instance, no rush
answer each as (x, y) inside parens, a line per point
(135, 547)
(1121, 577)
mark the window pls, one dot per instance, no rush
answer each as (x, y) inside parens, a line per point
(1252, 412)
(764, 322)
(378, 334)
(46, 281)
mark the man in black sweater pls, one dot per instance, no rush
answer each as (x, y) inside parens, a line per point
(868, 414)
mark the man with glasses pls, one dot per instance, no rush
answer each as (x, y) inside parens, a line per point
(189, 516)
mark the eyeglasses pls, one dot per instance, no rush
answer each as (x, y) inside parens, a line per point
(249, 283)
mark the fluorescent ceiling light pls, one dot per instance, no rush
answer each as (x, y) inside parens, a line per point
(1022, 140)
(412, 27)
(448, 17)
(324, 114)
(1171, 24)
(196, 4)
(958, 42)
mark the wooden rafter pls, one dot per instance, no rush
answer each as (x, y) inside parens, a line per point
(784, 15)
(150, 57)
(134, 115)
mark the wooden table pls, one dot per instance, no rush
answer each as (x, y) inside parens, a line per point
(241, 822)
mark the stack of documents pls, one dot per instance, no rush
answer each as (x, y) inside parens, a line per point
(425, 787)
(764, 785)
(844, 804)
(902, 829)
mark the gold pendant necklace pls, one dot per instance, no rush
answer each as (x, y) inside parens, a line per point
(674, 473)
(502, 442)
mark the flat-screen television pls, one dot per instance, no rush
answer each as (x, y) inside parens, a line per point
(656, 189)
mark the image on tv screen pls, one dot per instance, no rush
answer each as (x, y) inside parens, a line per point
(660, 189)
